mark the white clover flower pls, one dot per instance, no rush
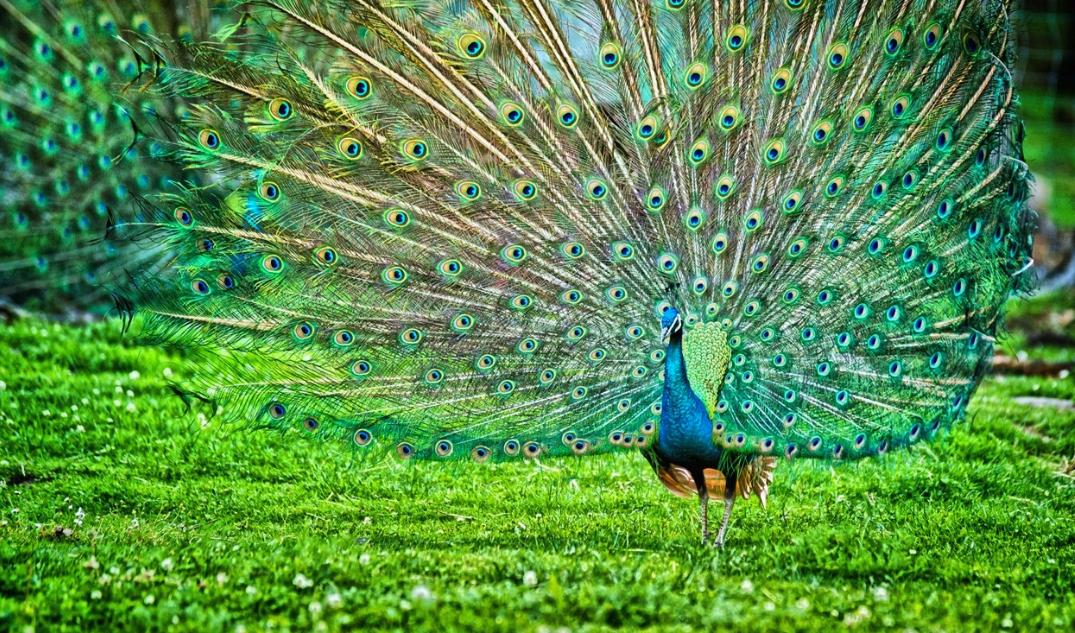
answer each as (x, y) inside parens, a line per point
(167, 564)
(530, 579)
(421, 593)
(302, 582)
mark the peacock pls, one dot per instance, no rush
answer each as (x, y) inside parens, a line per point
(720, 234)
(70, 118)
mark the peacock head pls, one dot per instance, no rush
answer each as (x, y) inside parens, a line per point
(671, 324)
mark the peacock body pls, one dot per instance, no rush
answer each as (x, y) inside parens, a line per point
(718, 233)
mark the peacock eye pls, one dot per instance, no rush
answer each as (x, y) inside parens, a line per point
(525, 190)
(280, 109)
(359, 87)
(610, 55)
(468, 190)
(932, 36)
(209, 139)
(567, 116)
(415, 149)
(737, 38)
(304, 331)
(184, 217)
(781, 81)
(326, 256)
(943, 139)
(397, 218)
(350, 148)
(270, 191)
(729, 117)
(472, 45)
(272, 264)
(512, 114)
(695, 75)
(596, 189)
(894, 42)
(837, 56)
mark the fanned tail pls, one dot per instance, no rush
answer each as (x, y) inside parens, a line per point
(451, 228)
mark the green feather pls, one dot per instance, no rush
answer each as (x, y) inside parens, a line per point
(70, 114)
(450, 229)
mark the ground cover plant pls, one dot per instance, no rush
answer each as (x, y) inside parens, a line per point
(120, 509)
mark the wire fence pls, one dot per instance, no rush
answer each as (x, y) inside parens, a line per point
(1046, 44)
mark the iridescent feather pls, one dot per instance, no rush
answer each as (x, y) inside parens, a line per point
(70, 117)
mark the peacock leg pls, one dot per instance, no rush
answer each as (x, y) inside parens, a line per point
(703, 495)
(729, 501)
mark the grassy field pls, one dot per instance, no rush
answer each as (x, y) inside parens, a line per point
(120, 511)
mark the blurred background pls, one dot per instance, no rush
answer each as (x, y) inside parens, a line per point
(1046, 73)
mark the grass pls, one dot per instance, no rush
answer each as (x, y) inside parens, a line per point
(121, 511)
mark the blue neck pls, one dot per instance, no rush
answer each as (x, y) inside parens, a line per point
(685, 436)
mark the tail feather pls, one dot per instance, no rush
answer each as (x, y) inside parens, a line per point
(451, 227)
(70, 101)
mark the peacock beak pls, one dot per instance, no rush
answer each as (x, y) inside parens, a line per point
(666, 332)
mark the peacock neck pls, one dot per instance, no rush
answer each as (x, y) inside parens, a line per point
(686, 432)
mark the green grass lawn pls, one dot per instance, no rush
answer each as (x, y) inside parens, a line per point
(119, 510)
